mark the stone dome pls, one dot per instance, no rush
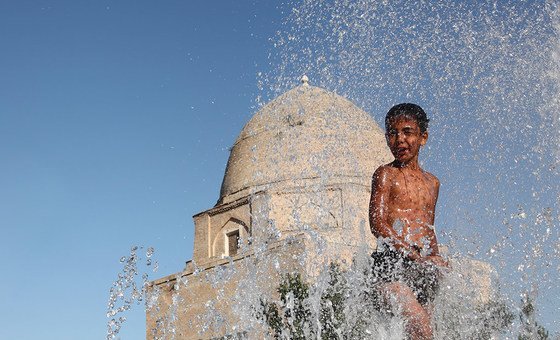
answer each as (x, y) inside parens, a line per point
(307, 135)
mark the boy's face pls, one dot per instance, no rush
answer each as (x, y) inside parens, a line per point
(405, 139)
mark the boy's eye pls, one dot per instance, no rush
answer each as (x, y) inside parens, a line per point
(409, 132)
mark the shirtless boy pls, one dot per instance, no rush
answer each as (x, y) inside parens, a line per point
(402, 207)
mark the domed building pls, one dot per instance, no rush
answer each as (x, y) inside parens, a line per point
(307, 159)
(294, 196)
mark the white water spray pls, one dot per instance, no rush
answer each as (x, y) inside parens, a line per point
(488, 74)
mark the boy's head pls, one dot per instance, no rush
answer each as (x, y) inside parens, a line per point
(410, 111)
(406, 131)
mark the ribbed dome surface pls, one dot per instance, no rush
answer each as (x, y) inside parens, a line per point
(306, 133)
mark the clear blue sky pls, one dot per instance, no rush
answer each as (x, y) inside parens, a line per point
(115, 123)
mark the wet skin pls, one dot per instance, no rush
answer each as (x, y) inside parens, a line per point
(403, 199)
(402, 211)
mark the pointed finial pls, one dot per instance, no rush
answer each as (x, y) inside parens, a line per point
(304, 80)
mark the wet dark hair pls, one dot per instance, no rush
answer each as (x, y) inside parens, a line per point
(408, 110)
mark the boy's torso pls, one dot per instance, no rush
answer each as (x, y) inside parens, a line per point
(411, 205)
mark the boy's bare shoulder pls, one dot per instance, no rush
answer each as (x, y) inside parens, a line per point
(384, 171)
(432, 179)
(384, 177)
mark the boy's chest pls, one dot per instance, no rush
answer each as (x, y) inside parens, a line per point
(413, 193)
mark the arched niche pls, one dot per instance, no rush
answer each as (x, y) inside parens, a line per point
(229, 238)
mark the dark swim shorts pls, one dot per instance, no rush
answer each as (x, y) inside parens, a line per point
(392, 266)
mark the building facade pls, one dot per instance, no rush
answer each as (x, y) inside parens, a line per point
(297, 184)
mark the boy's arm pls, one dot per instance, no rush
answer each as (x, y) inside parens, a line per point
(433, 242)
(379, 213)
(435, 257)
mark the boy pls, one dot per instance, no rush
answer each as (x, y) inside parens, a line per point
(401, 213)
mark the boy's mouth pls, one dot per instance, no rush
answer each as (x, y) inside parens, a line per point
(401, 151)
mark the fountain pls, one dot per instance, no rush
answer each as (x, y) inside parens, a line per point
(488, 75)
(487, 72)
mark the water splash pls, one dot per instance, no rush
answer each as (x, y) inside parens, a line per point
(130, 288)
(488, 73)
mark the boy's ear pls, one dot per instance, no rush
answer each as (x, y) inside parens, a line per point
(424, 138)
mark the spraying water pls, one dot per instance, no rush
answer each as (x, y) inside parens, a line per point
(129, 289)
(488, 74)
